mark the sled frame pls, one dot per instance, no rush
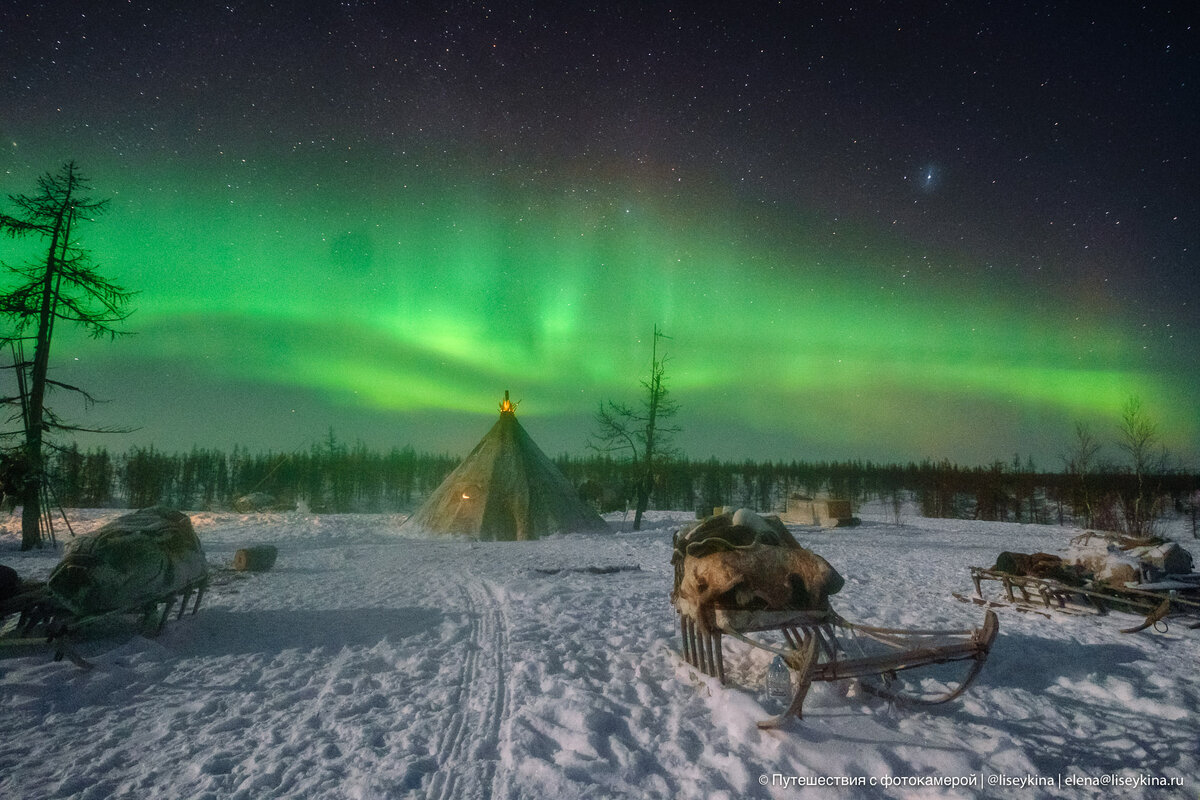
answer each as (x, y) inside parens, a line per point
(1156, 606)
(813, 651)
(44, 622)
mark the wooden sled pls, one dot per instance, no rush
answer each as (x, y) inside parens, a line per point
(43, 622)
(1156, 602)
(816, 646)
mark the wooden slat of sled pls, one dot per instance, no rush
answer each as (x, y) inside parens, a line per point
(812, 651)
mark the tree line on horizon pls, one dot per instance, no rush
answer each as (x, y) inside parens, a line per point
(336, 478)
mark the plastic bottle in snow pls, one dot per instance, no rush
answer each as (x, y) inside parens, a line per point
(779, 685)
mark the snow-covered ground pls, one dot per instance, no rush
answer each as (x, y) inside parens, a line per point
(367, 665)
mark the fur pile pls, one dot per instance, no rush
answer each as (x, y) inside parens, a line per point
(745, 561)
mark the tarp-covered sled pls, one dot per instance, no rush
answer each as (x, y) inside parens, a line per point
(132, 565)
(741, 574)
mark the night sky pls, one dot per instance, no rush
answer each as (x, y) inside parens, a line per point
(892, 232)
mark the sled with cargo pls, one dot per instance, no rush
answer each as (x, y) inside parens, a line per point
(1174, 598)
(144, 564)
(742, 579)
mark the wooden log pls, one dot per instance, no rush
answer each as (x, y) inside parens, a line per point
(255, 559)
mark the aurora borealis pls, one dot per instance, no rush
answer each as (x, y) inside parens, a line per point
(870, 234)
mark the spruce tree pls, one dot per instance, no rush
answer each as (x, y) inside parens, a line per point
(60, 283)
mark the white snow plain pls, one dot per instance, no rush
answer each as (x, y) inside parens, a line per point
(368, 665)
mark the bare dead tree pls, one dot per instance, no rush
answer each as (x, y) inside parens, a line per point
(640, 433)
(1081, 461)
(1138, 437)
(59, 284)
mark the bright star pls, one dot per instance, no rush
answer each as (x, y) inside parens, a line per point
(929, 178)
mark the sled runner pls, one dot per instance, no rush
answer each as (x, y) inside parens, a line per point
(822, 646)
(1174, 598)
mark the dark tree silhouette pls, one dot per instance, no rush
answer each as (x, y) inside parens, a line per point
(640, 432)
(59, 284)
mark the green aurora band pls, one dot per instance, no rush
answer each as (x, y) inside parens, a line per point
(433, 291)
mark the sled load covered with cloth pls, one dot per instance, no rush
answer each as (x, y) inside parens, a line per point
(744, 577)
(135, 564)
(1101, 572)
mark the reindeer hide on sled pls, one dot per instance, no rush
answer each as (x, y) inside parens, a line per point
(744, 561)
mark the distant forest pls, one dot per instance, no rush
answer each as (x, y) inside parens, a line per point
(335, 478)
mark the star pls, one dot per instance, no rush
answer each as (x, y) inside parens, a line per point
(929, 178)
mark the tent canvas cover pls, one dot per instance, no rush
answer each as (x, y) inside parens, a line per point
(505, 489)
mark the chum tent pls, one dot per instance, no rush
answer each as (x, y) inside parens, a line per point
(505, 489)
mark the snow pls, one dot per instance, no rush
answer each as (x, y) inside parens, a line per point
(369, 665)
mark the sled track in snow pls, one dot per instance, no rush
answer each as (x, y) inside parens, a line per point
(469, 750)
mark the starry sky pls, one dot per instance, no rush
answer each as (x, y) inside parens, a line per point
(886, 231)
